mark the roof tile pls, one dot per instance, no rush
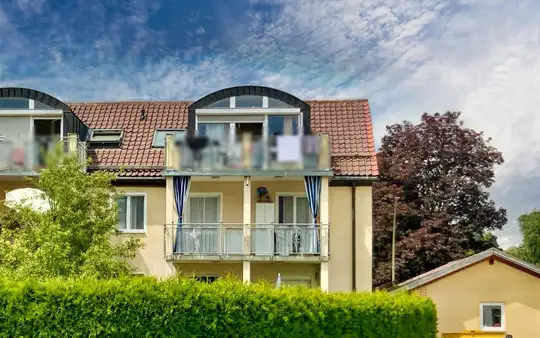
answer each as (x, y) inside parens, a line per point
(347, 122)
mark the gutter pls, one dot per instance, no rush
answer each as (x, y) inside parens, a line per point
(353, 201)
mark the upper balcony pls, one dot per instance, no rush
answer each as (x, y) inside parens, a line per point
(247, 155)
(28, 158)
(32, 124)
(248, 131)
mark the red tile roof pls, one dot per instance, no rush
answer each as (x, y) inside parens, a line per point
(348, 123)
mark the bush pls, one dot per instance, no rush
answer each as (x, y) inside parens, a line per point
(181, 307)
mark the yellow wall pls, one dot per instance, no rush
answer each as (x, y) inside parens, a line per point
(340, 266)
(364, 230)
(151, 258)
(458, 297)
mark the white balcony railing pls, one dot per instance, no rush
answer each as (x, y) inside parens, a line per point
(258, 240)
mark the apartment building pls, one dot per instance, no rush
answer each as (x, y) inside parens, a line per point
(249, 181)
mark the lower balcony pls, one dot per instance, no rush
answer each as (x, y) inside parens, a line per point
(279, 242)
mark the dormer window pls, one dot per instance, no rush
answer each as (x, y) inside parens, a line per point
(256, 109)
(106, 138)
(160, 134)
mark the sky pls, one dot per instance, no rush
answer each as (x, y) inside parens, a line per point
(407, 57)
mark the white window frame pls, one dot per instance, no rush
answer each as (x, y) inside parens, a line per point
(287, 194)
(503, 318)
(219, 195)
(34, 118)
(128, 213)
(172, 131)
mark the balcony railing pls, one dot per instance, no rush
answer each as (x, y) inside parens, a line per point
(258, 241)
(30, 156)
(293, 152)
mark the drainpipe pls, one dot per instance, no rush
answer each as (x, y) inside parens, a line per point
(353, 201)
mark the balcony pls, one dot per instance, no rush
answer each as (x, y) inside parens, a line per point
(29, 157)
(262, 242)
(247, 155)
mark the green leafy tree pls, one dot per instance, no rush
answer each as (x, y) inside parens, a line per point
(529, 249)
(76, 237)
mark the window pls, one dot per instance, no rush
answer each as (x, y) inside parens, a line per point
(492, 316)
(275, 103)
(214, 131)
(296, 281)
(132, 213)
(249, 101)
(106, 137)
(14, 103)
(203, 209)
(225, 103)
(281, 125)
(159, 136)
(41, 106)
(294, 210)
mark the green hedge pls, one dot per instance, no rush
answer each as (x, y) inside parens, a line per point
(181, 307)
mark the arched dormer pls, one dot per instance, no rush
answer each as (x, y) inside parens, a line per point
(250, 104)
(35, 103)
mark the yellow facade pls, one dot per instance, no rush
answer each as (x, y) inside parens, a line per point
(458, 297)
(338, 271)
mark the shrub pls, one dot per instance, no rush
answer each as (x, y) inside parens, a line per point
(182, 307)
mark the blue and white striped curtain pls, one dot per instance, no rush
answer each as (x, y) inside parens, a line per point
(313, 191)
(181, 192)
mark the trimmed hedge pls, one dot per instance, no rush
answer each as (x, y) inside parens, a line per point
(181, 307)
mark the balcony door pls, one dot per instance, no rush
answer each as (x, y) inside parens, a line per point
(201, 229)
(294, 232)
(46, 133)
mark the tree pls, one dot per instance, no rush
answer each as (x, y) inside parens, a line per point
(439, 172)
(76, 237)
(529, 249)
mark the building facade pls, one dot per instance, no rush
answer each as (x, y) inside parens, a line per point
(249, 181)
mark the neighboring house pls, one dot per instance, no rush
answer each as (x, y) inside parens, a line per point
(243, 199)
(491, 291)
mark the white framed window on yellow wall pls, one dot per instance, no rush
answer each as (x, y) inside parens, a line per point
(132, 212)
(492, 317)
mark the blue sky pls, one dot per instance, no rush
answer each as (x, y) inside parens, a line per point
(480, 57)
